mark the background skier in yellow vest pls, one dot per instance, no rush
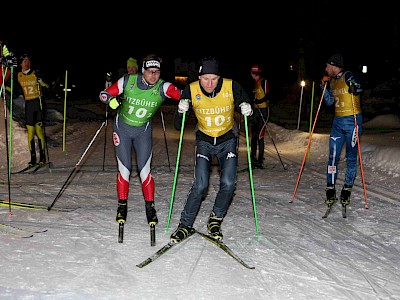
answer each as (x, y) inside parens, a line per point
(31, 85)
(260, 117)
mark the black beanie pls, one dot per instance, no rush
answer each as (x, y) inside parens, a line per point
(208, 66)
(336, 60)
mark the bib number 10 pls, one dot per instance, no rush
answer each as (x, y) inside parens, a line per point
(139, 113)
(218, 120)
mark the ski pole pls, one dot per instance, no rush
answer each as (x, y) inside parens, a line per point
(311, 111)
(251, 174)
(359, 152)
(6, 132)
(11, 138)
(165, 139)
(107, 84)
(11, 121)
(76, 166)
(105, 136)
(270, 136)
(176, 171)
(238, 137)
(308, 144)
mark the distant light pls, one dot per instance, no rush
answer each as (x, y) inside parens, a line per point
(302, 83)
(181, 79)
(364, 69)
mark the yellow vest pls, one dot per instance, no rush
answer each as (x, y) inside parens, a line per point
(343, 100)
(259, 94)
(214, 115)
(29, 85)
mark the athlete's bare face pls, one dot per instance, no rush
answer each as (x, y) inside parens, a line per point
(151, 75)
(332, 71)
(26, 64)
(131, 69)
(209, 82)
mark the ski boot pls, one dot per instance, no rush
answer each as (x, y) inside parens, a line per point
(181, 233)
(260, 163)
(151, 213)
(253, 160)
(330, 195)
(345, 194)
(214, 226)
(42, 159)
(32, 163)
(122, 211)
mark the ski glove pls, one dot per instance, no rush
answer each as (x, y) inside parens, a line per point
(183, 106)
(9, 61)
(5, 51)
(42, 83)
(245, 109)
(325, 79)
(354, 88)
(114, 103)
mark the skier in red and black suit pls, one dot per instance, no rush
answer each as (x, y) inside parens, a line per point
(143, 94)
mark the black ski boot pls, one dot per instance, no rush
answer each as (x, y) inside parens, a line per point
(181, 233)
(330, 195)
(260, 163)
(42, 159)
(345, 194)
(32, 163)
(151, 213)
(122, 211)
(214, 226)
(253, 160)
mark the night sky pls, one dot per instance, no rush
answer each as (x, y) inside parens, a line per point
(89, 44)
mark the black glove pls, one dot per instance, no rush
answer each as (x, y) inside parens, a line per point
(9, 61)
(352, 89)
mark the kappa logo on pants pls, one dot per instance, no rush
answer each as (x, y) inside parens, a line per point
(230, 155)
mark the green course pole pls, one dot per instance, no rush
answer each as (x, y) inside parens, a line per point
(176, 171)
(251, 175)
(11, 123)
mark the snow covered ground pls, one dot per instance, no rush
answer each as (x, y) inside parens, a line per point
(279, 229)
